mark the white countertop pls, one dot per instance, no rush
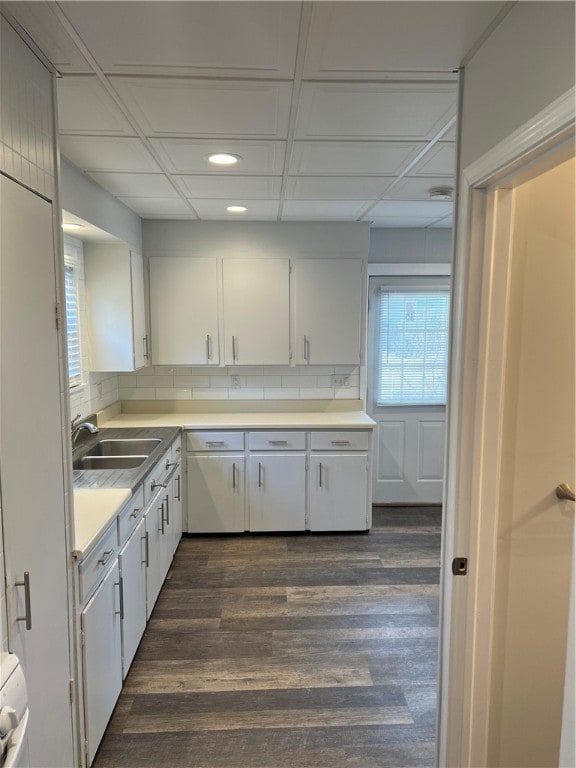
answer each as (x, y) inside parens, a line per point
(94, 510)
(245, 420)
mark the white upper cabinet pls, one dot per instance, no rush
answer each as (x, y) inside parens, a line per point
(184, 311)
(327, 311)
(117, 339)
(256, 297)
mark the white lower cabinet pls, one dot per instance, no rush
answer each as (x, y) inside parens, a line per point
(215, 493)
(338, 492)
(132, 561)
(102, 658)
(277, 492)
(154, 558)
(176, 506)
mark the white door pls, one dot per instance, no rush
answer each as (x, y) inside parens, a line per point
(184, 311)
(32, 480)
(215, 494)
(338, 492)
(133, 572)
(407, 375)
(327, 311)
(141, 346)
(102, 657)
(277, 492)
(256, 311)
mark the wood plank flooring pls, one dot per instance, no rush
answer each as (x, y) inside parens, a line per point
(298, 651)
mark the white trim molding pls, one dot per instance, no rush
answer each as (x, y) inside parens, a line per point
(409, 270)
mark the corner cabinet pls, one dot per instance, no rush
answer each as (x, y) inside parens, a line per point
(115, 309)
(327, 311)
(184, 311)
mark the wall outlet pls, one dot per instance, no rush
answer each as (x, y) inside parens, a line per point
(235, 382)
(340, 380)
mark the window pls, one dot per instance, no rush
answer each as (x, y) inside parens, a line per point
(71, 287)
(412, 347)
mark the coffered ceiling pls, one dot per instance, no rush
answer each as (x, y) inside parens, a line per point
(337, 111)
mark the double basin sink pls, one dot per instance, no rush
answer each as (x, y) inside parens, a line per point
(117, 453)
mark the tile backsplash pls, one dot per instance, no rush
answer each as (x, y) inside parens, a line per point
(324, 382)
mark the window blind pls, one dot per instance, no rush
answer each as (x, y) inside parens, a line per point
(412, 347)
(73, 325)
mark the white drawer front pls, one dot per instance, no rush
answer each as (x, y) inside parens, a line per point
(340, 441)
(130, 515)
(215, 441)
(93, 568)
(277, 441)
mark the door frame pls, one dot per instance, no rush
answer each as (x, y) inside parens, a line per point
(474, 421)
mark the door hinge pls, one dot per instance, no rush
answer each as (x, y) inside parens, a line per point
(460, 566)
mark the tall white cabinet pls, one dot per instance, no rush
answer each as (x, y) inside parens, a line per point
(115, 308)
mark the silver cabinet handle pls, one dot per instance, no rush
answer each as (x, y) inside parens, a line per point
(105, 557)
(167, 509)
(146, 540)
(135, 512)
(208, 347)
(259, 474)
(178, 494)
(154, 485)
(234, 349)
(161, 510)
(306, 349)
(565, 492)
(169, 464)
(277, 442)
(339, 442)
(234, 477)
(120, 585)
(320, 475)
(146, 350)
(215, 443)
(27, 602)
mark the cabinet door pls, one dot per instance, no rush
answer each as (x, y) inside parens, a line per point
(338, 492)
(166, 532)
(277, 492)
(256, 311)
(327, 311)
(132, 560)
(154, 578)
(140, 336)
(102, 656)
(215, 486)
(184, 311)
(176, 501)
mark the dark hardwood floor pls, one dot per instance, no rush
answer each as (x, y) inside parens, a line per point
(298, 651)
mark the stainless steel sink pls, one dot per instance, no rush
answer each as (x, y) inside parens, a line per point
(109, 462)
(124, 447)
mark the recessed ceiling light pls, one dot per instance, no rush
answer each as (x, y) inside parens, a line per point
(70, 227)
(223, 158)
(440, 193)
(236, 209)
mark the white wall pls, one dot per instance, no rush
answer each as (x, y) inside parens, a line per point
(84, 198)
(410, 246)
(526, 64)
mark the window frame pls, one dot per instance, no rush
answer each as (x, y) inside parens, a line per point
(73, 261)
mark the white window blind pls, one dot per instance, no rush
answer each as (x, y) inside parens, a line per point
(73, 324)
(412, 347)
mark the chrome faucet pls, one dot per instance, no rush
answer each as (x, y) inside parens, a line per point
(77, 428)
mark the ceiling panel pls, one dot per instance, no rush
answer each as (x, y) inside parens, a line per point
(417, 187)
(375, 110)
(402, 222)
(408, 209)
(85, 107)
(193, 38)
(135, 184)
(102, 153)
(367, 39)
(439, 161)
(158, 206)
(239, 187)
(338, 158)
(334, 188)
(207, 108)
(324, 210)
(191, 155)
(264, 210)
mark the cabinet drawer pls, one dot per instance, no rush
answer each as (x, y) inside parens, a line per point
(130, 515)
(348, 440)
(97, 563)
(271, 441)
(158, 475)
(215, 441)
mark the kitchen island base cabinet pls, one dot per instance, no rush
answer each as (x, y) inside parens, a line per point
(277, 492)
(132, 560)
(102, 658)
(338, 492)
(215, 493)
